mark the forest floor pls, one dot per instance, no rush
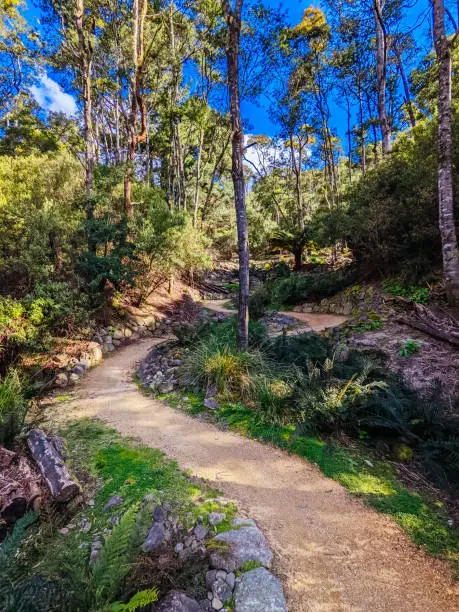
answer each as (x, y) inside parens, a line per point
(332, 552)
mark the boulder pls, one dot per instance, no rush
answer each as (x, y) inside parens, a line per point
(244, 544)
(259, 590)
(166, 387)
(74, 379)
(118, 334)
(177, 601)
(155, 538)
(61, 380)
(215, 518)
(113, 501)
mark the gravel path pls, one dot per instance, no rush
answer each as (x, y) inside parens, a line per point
(332, 552)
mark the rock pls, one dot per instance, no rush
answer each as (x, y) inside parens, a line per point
(211, 404)
(231, 579)
(175, 362)
(215, 518)
(245, 544)
(178, 602)
(211, 576)
(127, 332)
(155, 537)
(96, 354)
(108, 347)
(64, 531)
(206, 606)
(61, 381)
(95, 550)
(221, 574)
(178, 547)
(78, 369)
(259, 590)
(159, 514)
(91, 503)
(118, 334)
(216, 604)
(113, 501)
(200, 532)
(73, 379)
(221, 590)
(166, 387)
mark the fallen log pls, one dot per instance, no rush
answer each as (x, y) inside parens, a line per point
(19, 489)
(52, 466)
(439, 325)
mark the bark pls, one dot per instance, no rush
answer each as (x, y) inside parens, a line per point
(51, 463)
(136, 134)
(84, 54)
(233, 20)
(381, 74)
(406, 87)
(19, 488)
(445, 155)
(439, 325)
(298, 254)
(297, 171)
(198, 178)
(176, 190)
(362, 130)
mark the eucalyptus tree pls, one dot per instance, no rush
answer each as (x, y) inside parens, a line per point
(445, 153)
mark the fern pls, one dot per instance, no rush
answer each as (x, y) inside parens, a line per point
(115, 558)
(138, 601)
(11, 569)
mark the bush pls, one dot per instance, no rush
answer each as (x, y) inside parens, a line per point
(13, 407)
(297, 289)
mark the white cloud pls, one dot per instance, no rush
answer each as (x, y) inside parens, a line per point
(49, 95)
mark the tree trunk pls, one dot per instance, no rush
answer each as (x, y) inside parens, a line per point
(445, 155)
(137, 101)
(85, 61)
(233, 20)
(381, 70)
(198, 178)
(298, 253)
(406, 87)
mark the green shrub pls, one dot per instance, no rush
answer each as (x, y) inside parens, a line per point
(13, 407)
(297, 289)
(410, 347)
(420, 295)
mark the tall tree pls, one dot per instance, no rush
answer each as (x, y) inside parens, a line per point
(445, 153)
(234, 22)
(381, 74)
(136, 134)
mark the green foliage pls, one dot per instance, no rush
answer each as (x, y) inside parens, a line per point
(392, 209)
(38, 217)
(420, 295)
(410, 347)
(48, 571)
(297, 288)
(13, 407)
(167, 243)
(140, 600)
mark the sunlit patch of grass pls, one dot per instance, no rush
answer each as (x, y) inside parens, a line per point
(376, 484)
(62, 398)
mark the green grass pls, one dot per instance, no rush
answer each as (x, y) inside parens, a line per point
(231, 286)
(423, 519)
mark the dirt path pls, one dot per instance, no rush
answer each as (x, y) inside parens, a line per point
(313, 321)
(332, 552)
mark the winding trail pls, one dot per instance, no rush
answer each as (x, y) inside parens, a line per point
(333, 553)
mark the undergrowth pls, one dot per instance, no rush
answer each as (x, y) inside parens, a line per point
(48, 560)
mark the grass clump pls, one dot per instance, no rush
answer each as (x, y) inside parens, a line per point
(13, 407)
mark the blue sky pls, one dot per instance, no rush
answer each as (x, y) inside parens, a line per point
(51, 96)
